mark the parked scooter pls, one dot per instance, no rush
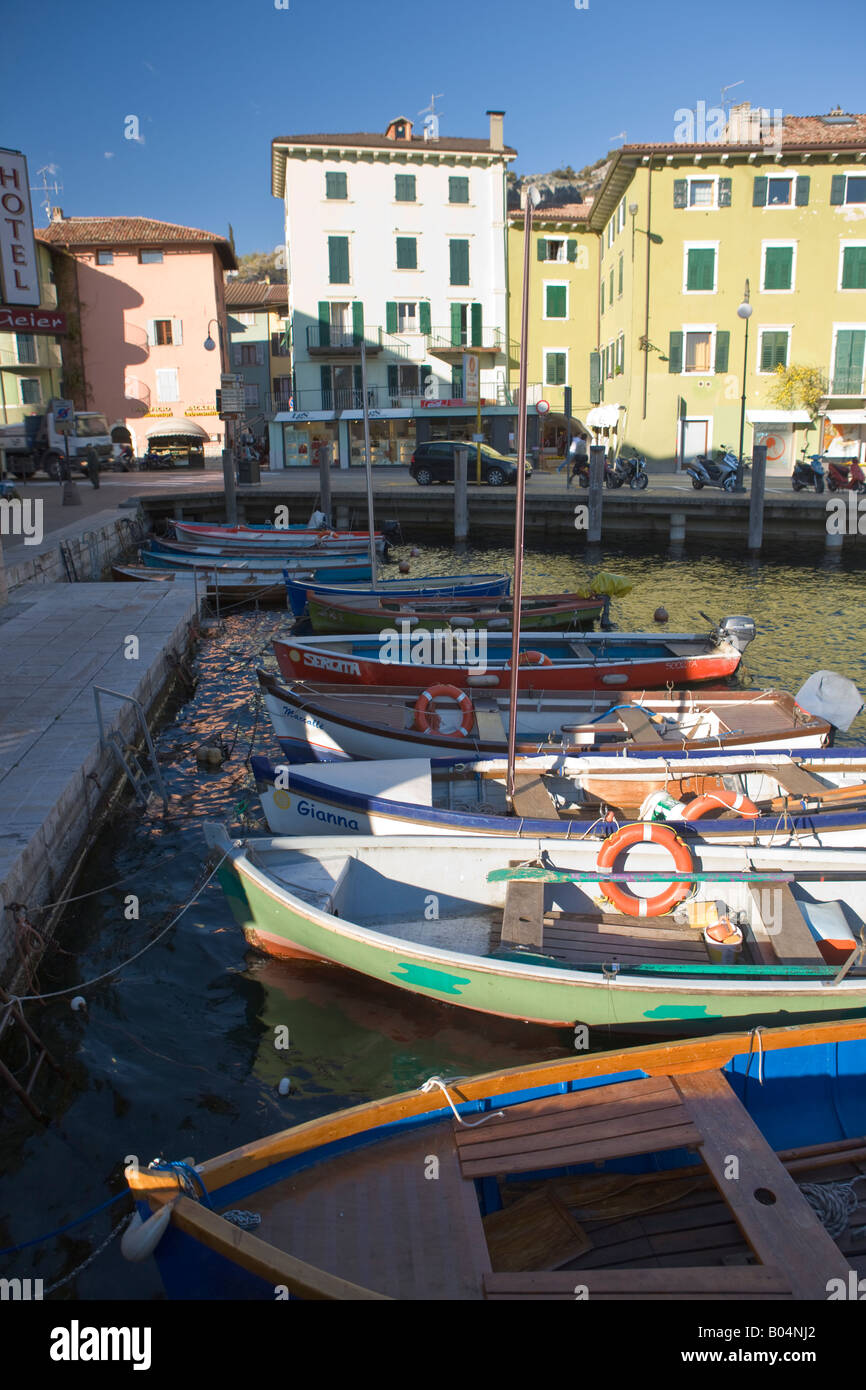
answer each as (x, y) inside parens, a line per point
(721, 473)
(809, 474)
(844, 475)
(631, 471)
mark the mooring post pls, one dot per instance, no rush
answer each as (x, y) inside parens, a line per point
(678, 530)
(596, 487)
(756, 498)
(325, 481)
(231, 497)
(461, 495)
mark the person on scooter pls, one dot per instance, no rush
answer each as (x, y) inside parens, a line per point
(577, 458)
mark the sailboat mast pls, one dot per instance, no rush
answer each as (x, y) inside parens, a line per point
(532, 200)
(367, 465)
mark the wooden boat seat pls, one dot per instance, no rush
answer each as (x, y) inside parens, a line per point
(523, 920)
(639, 725)
(788, 934)
(488, 720)
(797, 781)
(532, 800)
(712, 1281)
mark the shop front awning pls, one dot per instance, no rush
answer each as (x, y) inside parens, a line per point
(846, 417)
(175, 426)
(604, 417)
(302, 417)
(376, 414)
(778, 417)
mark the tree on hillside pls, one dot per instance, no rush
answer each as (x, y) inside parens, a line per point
(261, 265)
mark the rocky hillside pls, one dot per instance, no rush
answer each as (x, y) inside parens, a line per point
(561, 186)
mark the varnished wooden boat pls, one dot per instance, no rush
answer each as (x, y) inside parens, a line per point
(541, 612)
(251, 540)
(601, 1176)
(230, 586)
(341, 564)
(443, 587)
(157, 555)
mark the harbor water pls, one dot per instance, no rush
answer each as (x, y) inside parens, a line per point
(180, 1052)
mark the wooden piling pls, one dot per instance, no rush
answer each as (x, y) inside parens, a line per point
(756, 496)
(596, 488)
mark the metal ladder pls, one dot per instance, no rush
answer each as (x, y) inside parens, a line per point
(145, 784)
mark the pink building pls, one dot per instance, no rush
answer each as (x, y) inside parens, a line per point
(142, 298)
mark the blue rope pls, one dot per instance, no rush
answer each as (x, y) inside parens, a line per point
(193, 1180)
(25, 1245)
(652, 714)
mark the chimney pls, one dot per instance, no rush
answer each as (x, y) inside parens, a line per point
(497, 119)
(57, 214)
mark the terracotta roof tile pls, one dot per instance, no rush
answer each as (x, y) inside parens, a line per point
(243, 293)
(130, 231)
(366, 139)
(797, 131)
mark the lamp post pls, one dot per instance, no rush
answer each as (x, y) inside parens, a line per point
(229, 482)
(744, 312)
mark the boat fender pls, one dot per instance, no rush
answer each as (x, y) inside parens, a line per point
(531, 659)
(633, 834)
(427, 720)
(499, 624)
(710, 801)
(141, 1238)
(461, 622)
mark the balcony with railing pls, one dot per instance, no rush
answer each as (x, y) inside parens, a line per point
(351, 398)
(453, 342)
(328, 340)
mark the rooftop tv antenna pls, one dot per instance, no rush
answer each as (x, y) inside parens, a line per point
(50, 190)
(730, 88)
(431, 115)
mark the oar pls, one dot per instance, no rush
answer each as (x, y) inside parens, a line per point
(538, 875)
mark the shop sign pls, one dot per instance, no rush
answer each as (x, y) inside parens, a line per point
(18, 267)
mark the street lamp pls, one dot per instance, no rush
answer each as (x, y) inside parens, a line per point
(209, 343)
(744, 312)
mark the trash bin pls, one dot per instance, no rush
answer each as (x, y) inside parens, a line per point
(249, 471)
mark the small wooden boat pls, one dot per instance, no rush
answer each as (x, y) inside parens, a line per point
(252, 540)
(468, 921)
(758, 798)
(541, 612)
(432, 586)
(602, 1176)
(156, 556)
(311, 556)
(326, 723)
(232, 587)
(549, 660)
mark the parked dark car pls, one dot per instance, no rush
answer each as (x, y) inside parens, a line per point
(434, 463)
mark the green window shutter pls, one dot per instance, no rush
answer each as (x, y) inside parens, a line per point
(404, 188)
(602, 296)
(335, 185)
(778, 267)
(610, 298)
(424, 316)
(390, 317)
(357, 321)
(476, 325)
(701, 270)
(458, 190)
(571, 250)
(675, 353)
(854, 268)
(324, 323)
(358, 378)
(681, 192)
(555, 369)
(801, 191)
(456, 326)
(338, 260)
(774, 351)
(848, 366)
(759, 191)
(325, 379)
(424, 371)
(555, 302)
(407, 253)
(594, 378)
(459, 252)
(541, 248)
(393, 380)
(724, 193)
(723, 344)
(457, 383)
(619, 281)
(837, 189)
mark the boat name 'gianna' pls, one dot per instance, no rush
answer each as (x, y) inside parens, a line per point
(306, 808)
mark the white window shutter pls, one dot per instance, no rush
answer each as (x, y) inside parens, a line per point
(151, 332)
(177, 332)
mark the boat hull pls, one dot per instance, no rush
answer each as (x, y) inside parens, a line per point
(482, 585)
(268, 570)
(329, 616)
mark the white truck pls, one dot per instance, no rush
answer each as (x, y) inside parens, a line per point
(35, 443)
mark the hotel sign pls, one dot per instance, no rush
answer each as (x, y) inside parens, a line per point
(18, 268)
(15, 320)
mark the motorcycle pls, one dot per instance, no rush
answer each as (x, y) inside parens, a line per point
(631, 471)
(707, 472)
(845, 476)
(809, 474)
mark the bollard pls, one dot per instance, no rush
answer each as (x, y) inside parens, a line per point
(596, 490)
(325, 481)
(756, 497)
(461, 495)
(231, 497)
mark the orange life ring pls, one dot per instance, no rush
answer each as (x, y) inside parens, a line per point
(532, 659)
(710, 800)
(636, 833)
(428, 722)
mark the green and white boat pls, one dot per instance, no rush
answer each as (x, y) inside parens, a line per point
(469, 922)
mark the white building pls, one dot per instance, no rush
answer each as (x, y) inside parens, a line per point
(399, 241)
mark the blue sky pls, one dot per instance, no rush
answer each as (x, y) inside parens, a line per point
(211, 84)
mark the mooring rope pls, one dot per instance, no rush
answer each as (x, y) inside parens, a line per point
(833, 1202)
(470, 1124)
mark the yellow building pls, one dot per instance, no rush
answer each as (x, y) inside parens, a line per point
(30, 365)
(680, 229)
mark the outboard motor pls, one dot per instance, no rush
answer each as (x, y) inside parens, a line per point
(739, 630)
(829, 696)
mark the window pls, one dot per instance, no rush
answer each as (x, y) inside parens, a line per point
(848, 188)
(407, 317)
(778, 270)
(555, 301)
(555, 368)
(621, 215)
(554, 249)
(338, 260)
(610, 359)
(853, 270)
(26, 344)
(166, 385)
(246, 355)
(459, 252)
(702, 193)
(619, 278)
(700, 269)
(31, 390)
(282, 390)
(404, 188)
(458, 190)
(409, 380)
(698, 354)
(848, 361)
(610, 292)
(610, 231)
(336, 185)
(407, 253)
(251, 393)
(162, 332)
(772, 349)
(280, 342)
(247, 319)
(779, 192)
(150, 257)
(105, 258)
(602, 296)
